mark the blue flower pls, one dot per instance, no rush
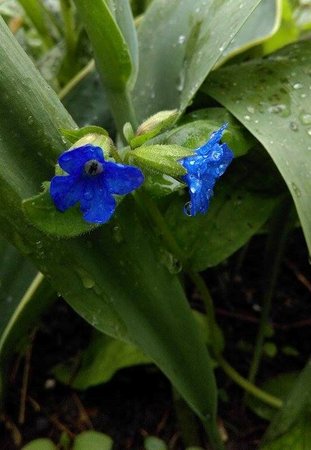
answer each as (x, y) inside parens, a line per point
(204, 167)
(92, 181)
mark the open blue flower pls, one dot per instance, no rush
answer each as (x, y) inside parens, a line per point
(92, 181)
(204, 167)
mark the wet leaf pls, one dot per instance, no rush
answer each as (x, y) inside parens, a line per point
(179, 43)
(271, 98)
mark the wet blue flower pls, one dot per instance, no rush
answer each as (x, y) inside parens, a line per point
(204, 167)
(92, 181)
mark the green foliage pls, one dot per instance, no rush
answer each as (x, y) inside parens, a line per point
(170, 75)
(274, 107)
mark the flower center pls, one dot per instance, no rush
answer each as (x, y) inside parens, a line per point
(93, 167)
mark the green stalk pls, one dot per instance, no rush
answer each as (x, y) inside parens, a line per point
(69, 28)
(76, 79)
(269, 399)
(275, 246)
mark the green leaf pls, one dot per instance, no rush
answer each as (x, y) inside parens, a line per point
(42, 213)
(298, 437)
(92, 440)
(161, 158)
(154, 443)
(259, 27)
(278, 386)
(296, 407)
(275, 108)
(110, 48)
(197, 127)
(100, 361)
(241, 205)
(40, 444)
(179, 43)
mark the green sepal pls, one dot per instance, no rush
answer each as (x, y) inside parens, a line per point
(160, 158)
(73, 136)
(42, 213)
(153, 126)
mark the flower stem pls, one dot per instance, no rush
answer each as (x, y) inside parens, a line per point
(275, 246)
(269, 399)
(76, 79)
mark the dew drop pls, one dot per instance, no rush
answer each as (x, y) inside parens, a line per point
(276, 108)
(181, 39)
(309, 132)
(247, 118)
(296, 190)
(250, 109)
(297, 86)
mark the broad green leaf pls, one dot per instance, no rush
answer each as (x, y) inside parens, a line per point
(241, 205)
(271, 98)
(298, 437)
(92, 440)
(161, 158)
(297, 406)
(179, 43)
(260, 26)
(154, 443)
(40, 444)
(278, 386)
(112, 277)
(100, 361)
(197, 127)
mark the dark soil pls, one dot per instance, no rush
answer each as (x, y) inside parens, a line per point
(138, 401)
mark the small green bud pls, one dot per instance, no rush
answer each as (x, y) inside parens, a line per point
(153, 126)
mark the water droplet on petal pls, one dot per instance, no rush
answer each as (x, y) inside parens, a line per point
(181, 39)
(247, 118)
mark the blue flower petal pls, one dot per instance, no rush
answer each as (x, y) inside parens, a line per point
(204, 167)
(121, 179)
(97, 203)
(66, 191)
(213, 140)
(73, 161)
